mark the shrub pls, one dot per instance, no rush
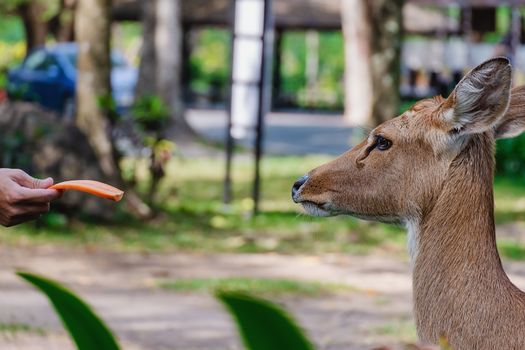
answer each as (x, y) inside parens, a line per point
(510, 156)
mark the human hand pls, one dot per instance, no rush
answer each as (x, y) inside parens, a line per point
(22, 197)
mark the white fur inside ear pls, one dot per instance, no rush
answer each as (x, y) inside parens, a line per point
(467, 97)
(449, 116)
(481, 97)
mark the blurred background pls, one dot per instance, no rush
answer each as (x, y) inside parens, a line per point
(206, 112)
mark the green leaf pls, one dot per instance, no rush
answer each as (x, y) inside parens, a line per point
(263, 325)
(87, 330)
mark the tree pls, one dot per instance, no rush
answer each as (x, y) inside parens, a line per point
(35, 25)
(42, 18)
(161, 61)
(62, 25)
(372, 33)
(92, 27)
(147, 75)
(93, 78)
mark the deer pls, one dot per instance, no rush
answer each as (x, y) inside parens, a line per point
(432, 169)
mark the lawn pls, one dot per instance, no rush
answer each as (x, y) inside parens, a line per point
(194, 219)
(264, 287)
(14, 328)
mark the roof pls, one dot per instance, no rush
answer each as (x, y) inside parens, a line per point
(291, 14)
(318, 14)
(288, 13)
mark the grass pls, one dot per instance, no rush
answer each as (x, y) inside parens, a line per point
(509, 197)
(402, 330)
(194, 219)
(511, 249)
(15, 328)
(255, 286)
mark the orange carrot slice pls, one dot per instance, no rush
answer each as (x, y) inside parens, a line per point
(93, 187)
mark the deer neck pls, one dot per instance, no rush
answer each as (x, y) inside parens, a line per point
(457, 263)
(461, 221)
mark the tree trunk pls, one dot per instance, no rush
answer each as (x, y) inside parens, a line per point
(168, 48)
(35, 25)
(373, 33)
(92, 28)
(38, 25)
(64, 21)
(93, 78)
(146, 84)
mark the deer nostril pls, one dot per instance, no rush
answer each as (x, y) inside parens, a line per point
(297, 185)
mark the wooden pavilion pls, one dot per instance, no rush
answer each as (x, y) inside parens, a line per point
(421, 17)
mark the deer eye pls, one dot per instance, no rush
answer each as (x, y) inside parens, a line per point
(382, 144)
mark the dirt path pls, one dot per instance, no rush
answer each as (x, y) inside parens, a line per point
(122, 289)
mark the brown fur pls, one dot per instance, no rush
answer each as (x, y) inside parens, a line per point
(438, 176)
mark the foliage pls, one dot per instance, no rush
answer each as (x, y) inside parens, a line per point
(108, 106)
(126, 38)
(263, 325)
(16, 146)
(87, 330)
(151, 113)
(12, 29)
(209, 63)
(512, 250)
(510, 156)
(328, 92)
(406, 105)
(10, 5)
(12, 54)
(11, 155)
(52, 7)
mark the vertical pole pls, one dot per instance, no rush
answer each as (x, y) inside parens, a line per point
(230, 143)
(276, 79)
(515, 33)
(264, 94)
(186, 52)
(467, 30)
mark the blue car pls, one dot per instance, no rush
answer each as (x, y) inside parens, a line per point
(48, 76)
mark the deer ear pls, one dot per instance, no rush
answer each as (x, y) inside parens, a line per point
(513, 121)
(480, 98)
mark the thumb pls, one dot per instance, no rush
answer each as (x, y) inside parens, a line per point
(42, 183)
(28, 181)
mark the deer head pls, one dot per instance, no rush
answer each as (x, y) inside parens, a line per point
(397, 172)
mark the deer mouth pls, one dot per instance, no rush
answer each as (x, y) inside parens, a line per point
(326, 209)
(316, 209)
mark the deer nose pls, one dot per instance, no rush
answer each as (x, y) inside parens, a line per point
(297, 185)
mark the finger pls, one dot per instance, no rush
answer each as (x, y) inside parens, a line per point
(23, 179)
(30, 209)
(37, 195)
(23, 218)
(27, 212)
